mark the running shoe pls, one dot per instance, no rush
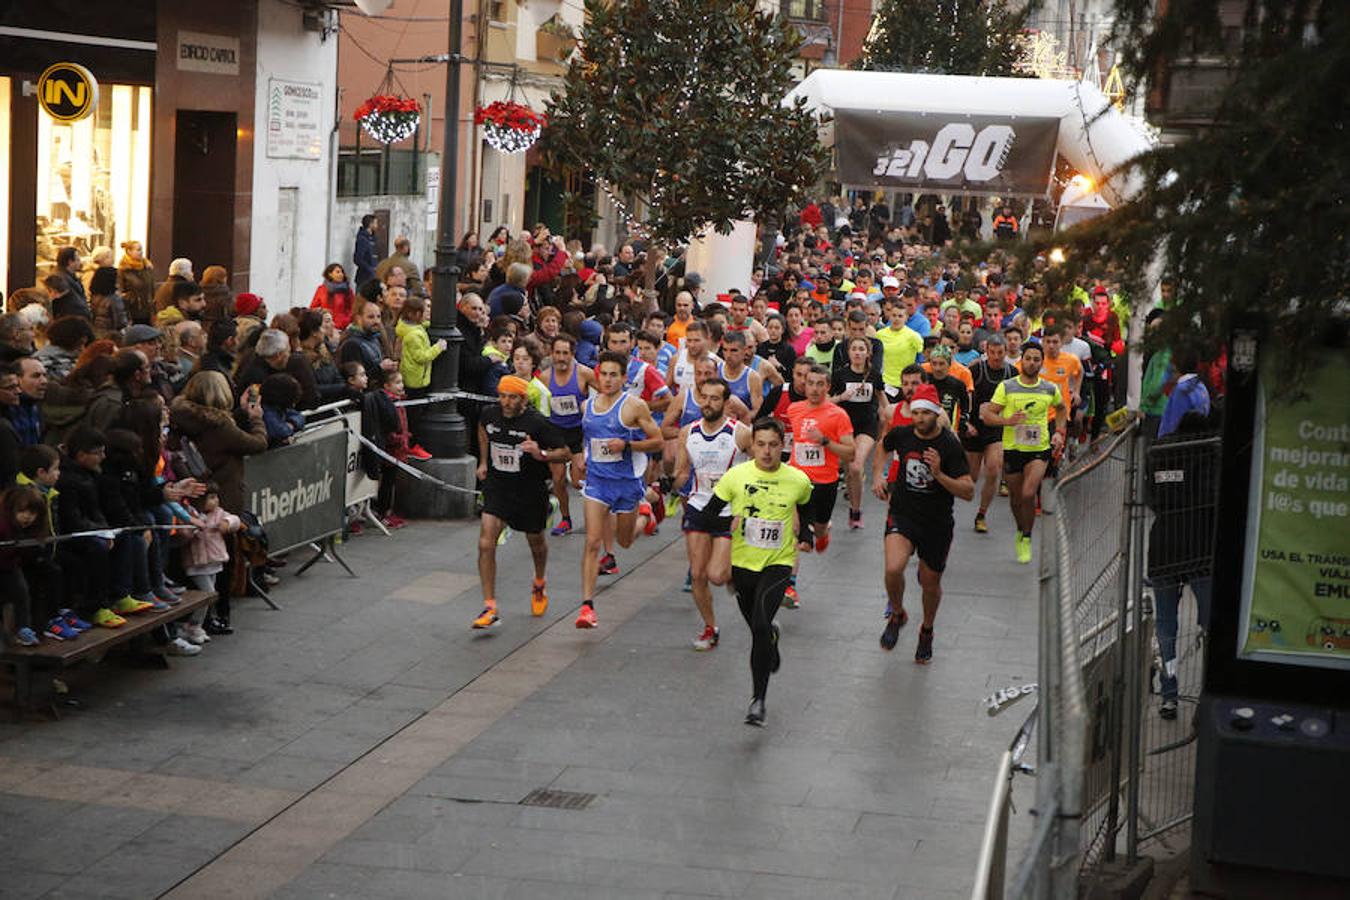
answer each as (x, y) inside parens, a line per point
(659, 507)
(755, 714)
(609, 565)
(538, 599)
(822, 542)
(58, 630)
(923, 654)
(645, 509)
(181, 647)
(672, 504)
(174, 586)
(488, 617)
(131, 606)
(26, 637)
(195, 633)
(981, 526)
(586, 618)
(106, 618)
(416, 452)
(393, 522)
(854, 519)
(554, 511)
(1023, 548)
(216, 625)
(1168, 710)
(73, 620)
(355, 528)
(790, 598)
(688, 581)
(891, 634)
(777, 658)
(505, 533)
(1003, 488)
(708, 639)
(564, 526)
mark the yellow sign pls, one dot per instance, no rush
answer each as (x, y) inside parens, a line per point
(67, 91)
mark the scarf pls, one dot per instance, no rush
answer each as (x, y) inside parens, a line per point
(126, 262)
(337, 287)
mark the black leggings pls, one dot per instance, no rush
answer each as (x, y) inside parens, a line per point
(14, 592)
(759, 595)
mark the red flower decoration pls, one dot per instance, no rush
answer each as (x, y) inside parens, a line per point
(385, 104)
(510, 115)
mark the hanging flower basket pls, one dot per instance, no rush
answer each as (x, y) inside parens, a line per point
(509, 126)
(389, 119)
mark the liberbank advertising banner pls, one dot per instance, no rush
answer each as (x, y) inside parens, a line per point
(946, 153)
(297, 491)
(1296, 575)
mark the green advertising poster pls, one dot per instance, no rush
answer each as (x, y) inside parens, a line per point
(1296, 575)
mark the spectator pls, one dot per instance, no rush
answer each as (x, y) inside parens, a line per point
(328, 380)
(149, 341)
(363, 253)
(508, 299)
(400, 258)
(26, 416)
(1005, 225)
(279, 394)
(203, 414)
(398, 444)
(66, 339)
(363, 342)
(9, 437)
(391, 306)
(207, 553)
(68, 264)
(16, 337)
(179, 270)
(130, 379)
(418, 351)
(23, 514)
(334, 295)
(187, 303)
(191, 342)
(1189, 395)
(273, 354)
(64, 301)
(250, 312)
(107, 307)
(468, 253)
(135, 282)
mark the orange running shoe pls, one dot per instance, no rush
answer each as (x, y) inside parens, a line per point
(538, 599)
(488, 617)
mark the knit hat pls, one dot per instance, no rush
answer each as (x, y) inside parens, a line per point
(926, 397)
(513, 384)
(246, 304)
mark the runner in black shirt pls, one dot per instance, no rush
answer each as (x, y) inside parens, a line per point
(857, 388)
(518, 444)
(984, 443)
(952, 392)
(933, 470)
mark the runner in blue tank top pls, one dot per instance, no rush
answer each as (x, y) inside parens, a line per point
(744, 381)
(617, 433)
(568, 382)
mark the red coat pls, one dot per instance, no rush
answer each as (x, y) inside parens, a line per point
(339, 303)
(811, 216)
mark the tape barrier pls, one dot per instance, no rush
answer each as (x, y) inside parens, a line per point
(415, 473)
(105, 533)
(342, 405)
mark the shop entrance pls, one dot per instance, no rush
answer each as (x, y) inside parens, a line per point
(204, 188)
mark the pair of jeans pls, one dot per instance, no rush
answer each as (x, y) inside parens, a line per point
(1166, 606)
(130, 566)
(87, 562)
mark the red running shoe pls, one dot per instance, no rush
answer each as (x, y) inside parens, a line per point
(393, 522)
(416, 452)
(822, 542)
(645, 509)
(586, 618)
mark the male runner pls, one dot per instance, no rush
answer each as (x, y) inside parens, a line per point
(1022, 405)
(643, 381)
(707, 449)
(696, 347)
(901, 346)
(933, 470)
(952, 391)
(984, 443)
(743, 381)
(518, 444)
(617, 432)
(1066, 372)
(765, 497)
(822, 435)
(568, 384)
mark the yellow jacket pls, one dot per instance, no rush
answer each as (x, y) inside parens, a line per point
(418, 354)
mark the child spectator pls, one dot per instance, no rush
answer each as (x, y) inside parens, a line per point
(23, 516)
(397, 443)
(497, 349)
(206, 554)
(418, 355)
(40, 469)
(279, 394)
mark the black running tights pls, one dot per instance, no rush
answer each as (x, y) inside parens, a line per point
(759, 595)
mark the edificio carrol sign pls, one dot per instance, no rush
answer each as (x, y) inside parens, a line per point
(215, 54)
(993, 155)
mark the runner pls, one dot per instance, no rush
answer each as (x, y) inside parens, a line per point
(568, 384)
(743, 381)
(919, 520)
(952, 392)
(984, 443)
(1023, 406)
(1065, 371)
(518, 446)
(902, 346)
(765, 497)
(644, 382)
(617, 431)
(695, 348)
(707, 449)
(858, 389)
(822, 435)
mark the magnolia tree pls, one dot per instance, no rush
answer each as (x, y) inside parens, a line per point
(675, 104)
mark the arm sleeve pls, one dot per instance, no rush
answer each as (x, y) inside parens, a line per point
(547, 272)
(714, 506)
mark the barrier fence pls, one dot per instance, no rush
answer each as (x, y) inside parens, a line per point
(1124, 585)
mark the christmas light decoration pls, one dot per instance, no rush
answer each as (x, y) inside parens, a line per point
(1042, 58)
(389, 118)
(508, 126)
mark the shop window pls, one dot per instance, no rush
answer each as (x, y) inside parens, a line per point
(93, 176)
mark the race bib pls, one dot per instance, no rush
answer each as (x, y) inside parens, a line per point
(563, 405)
(505, 457)
(764, 534)
(810, 455)
(787, 442)
(1028, 434)
(600, 451)
(862, 392)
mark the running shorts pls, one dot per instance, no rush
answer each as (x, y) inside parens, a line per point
(621, 495)
(699, 521)
(1014, 461)
(932, 542)
(984, 437)
(864, 419)
(823, 497)
(521, 507)
(572, 437)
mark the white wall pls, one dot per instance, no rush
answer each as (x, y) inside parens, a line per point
(407, 215)
(287, 51)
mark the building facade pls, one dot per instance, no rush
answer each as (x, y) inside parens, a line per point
(211, 137)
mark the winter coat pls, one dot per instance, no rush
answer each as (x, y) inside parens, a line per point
(207, 547)
(9, 451)
(222, 443)
(281, 424)
(163, 300)
(58, 362)
(26, 418)
(363, 256)
(418, 354)
(127, 493)
(79, 509)
(105, 407)
(472, 362)
(365, 347)
(109, 315)
(71, 304)
(297, 366)
(137, 287)
(337, 301)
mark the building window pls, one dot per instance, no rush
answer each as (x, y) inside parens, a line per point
(93, 176)
(812, 10)
(496, 10)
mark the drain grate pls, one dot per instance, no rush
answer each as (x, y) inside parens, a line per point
(558, 799)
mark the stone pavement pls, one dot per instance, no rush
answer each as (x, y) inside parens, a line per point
(364, 743)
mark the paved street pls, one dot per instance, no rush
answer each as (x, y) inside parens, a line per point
(364, 743)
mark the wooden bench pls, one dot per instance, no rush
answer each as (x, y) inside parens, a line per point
(93, 645)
